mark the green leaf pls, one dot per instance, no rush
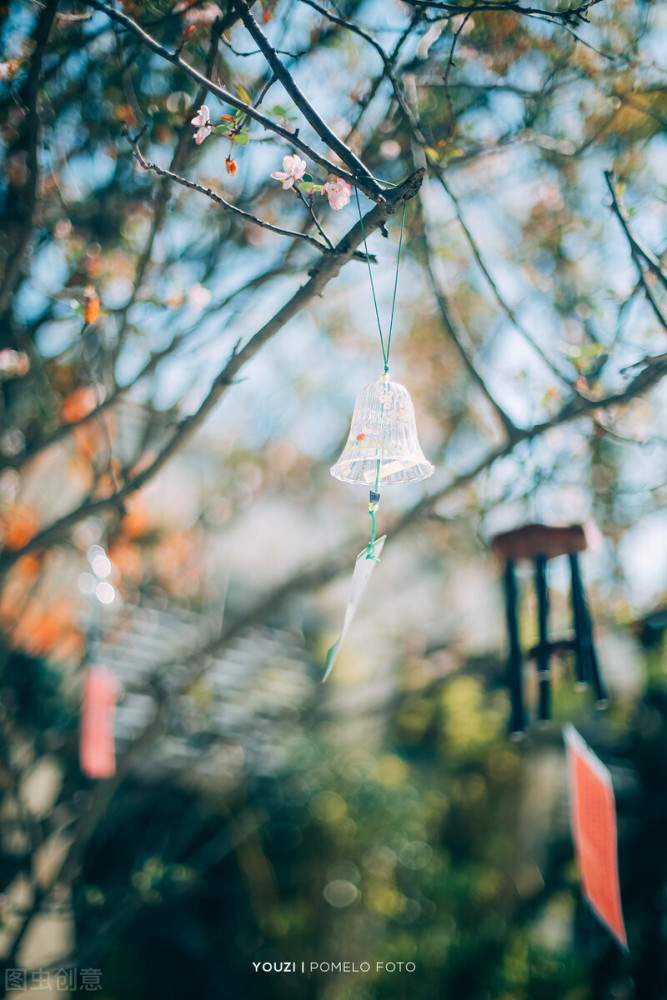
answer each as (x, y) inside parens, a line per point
(244, 95)
(241, 139)
(306, 186)
(307, 178)
(94, 895)
(593, 350)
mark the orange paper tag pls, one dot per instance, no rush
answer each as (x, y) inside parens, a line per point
(97, 751)
(593, 821)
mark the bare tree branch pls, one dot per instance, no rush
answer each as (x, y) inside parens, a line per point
(218, 200)
(342, 559)
(387, 60)
(365, 182)
(642, 257)
(28, 197)
(500, 299)
(303, 104)
(324, 271)
(178, 160)
(571, 15)
(456, 336)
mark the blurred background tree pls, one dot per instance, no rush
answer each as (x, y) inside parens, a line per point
(183, 339)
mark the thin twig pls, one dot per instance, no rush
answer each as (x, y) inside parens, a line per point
(502, 302)
(388, 61)
(456, 336)
(311, 211)
(571, 15)
(448, 69)
(364, 181)
(642, 257)
(220, 201)
(31, 128)
(316, 122)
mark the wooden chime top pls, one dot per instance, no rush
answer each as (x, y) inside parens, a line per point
(533, 540)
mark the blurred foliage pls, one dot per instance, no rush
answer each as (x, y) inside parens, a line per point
(393, 857)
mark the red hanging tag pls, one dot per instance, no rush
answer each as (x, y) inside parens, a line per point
(593, 822)
(97, 752)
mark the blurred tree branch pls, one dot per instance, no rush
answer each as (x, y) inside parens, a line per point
(320, 275)
(27, 201)
(570, 15)
(332, 565)
(643, 258)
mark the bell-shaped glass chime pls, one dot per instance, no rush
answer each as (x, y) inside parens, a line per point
(382, 447)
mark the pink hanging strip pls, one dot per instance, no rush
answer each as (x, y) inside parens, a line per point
(97, 752)
(593, 821)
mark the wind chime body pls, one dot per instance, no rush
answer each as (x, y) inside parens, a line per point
(540, 543)
(382, 449)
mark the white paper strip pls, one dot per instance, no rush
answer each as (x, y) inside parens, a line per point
(363, 568)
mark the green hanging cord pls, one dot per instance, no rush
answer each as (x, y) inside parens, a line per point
(385, 356)
(370, 552)
(385, 352)
(372, 507)
(374, 495)
(393, 301)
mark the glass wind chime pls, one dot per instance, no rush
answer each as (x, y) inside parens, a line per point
(382, 449)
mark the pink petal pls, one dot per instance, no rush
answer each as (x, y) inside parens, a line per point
(203, 116)
(288, 183)
(97, 751)
(294, 166)
(279, 175)
(338, 193)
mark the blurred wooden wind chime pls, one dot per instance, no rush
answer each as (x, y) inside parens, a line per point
(591, 792)
(539, 543)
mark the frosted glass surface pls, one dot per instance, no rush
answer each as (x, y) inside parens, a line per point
(383, 430)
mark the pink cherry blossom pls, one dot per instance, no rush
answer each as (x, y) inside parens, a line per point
(13, 363)
(203, 16)
(338, 192)
(293, 170)
(203, 120)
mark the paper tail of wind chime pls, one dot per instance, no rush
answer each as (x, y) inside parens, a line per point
(97, 752)
(363, 567)
(539, 543)
(593, 822)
